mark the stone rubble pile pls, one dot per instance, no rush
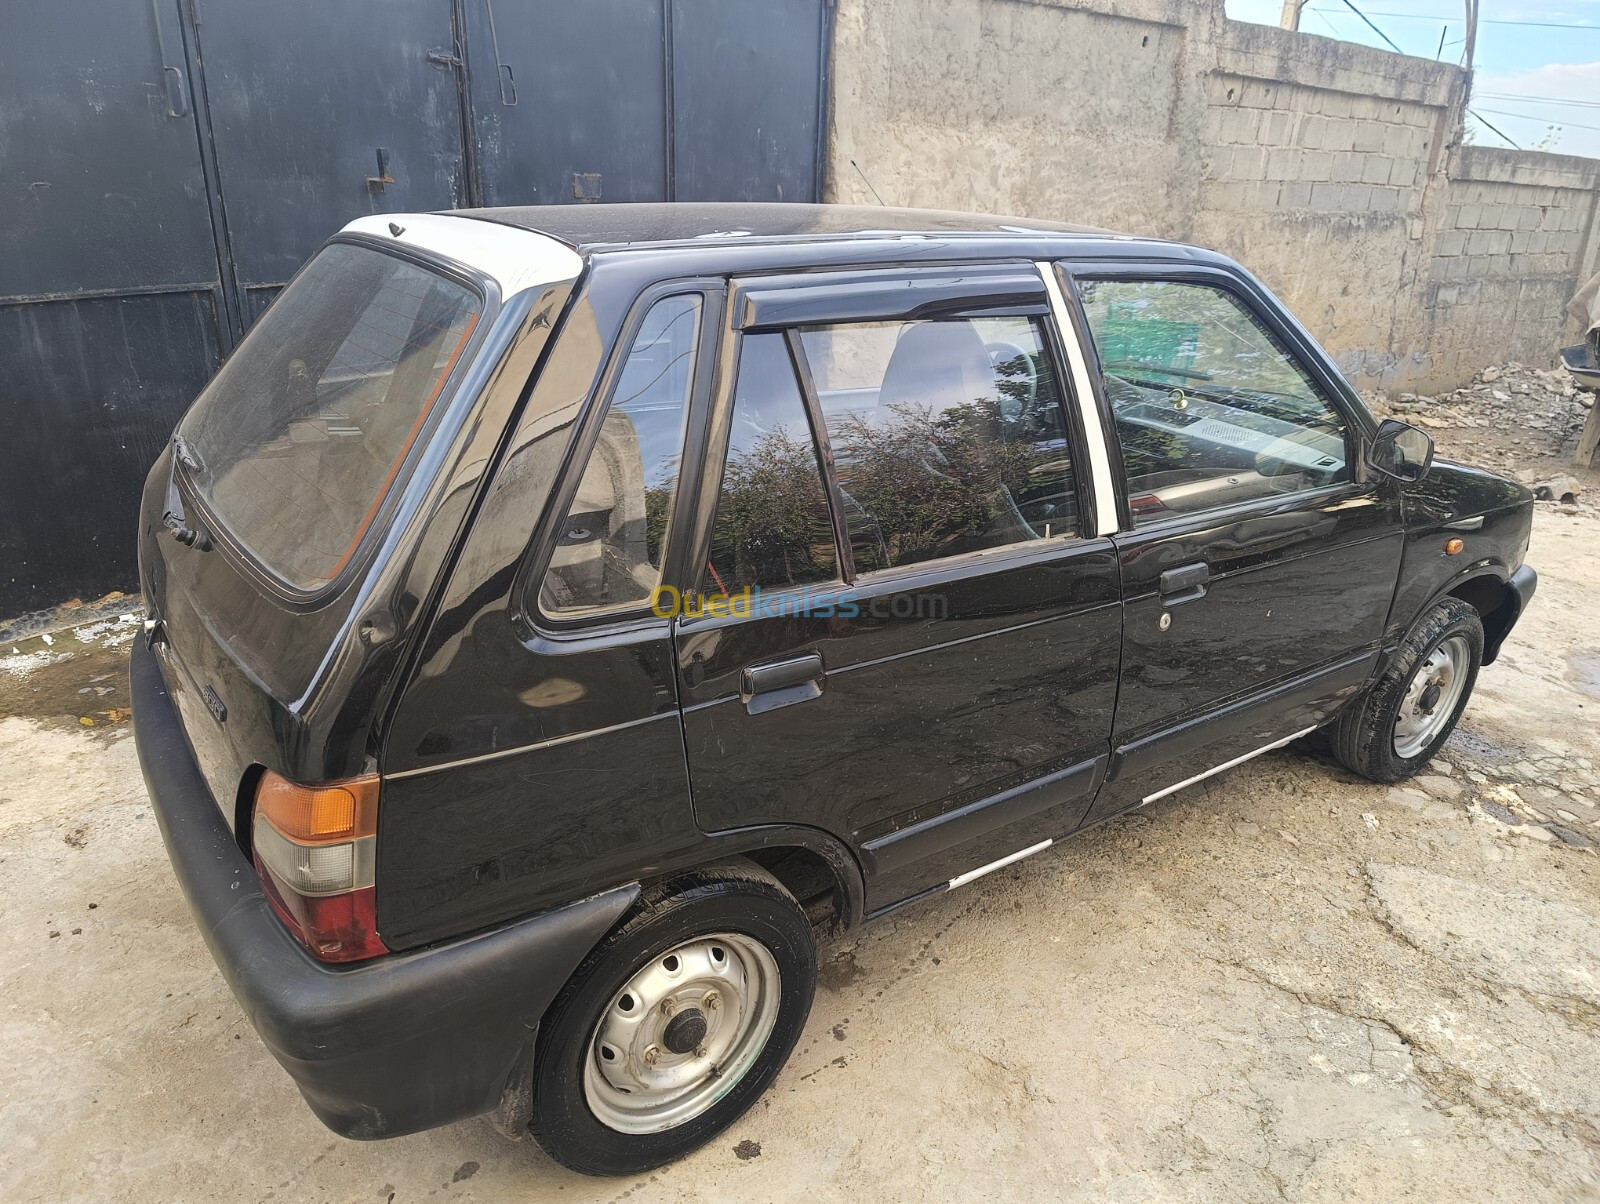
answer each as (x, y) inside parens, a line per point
(1507, 396)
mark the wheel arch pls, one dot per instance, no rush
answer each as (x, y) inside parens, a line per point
(1489, 593)
(817, 868)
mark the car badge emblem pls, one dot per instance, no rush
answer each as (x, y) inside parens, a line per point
(214, 704)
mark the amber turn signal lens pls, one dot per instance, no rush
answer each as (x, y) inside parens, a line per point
(334, 811)
(1453, 546)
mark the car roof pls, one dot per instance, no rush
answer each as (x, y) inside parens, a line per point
(588, 228)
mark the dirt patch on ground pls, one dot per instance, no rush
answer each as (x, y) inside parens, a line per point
(1283, 983)
(75, 676)
(1584, 670)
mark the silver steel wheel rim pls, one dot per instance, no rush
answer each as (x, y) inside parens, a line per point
(637, 1075)
(1431, 697)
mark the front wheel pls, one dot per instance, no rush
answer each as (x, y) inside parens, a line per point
(1394, 728)
(676, 1023)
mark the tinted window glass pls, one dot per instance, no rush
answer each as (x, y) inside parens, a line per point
(609, 551)
(1209, 408)
(303, 431)
(947, 436)
(773, 527)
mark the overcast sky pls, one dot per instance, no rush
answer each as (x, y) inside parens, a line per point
(1528, 56)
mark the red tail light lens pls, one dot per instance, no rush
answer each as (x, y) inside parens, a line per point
(315, 849)
(1145, 503)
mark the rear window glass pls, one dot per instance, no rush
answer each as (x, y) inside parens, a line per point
(300, 435)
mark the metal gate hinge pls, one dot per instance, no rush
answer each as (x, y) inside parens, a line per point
(443, 58)
(385, 177)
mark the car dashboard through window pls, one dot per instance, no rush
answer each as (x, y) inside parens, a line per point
(1209, 408)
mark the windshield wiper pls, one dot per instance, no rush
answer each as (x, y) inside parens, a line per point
(192, 537)
(186, 454)
(1145, 366)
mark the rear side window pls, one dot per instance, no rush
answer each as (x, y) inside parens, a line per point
(773, 527)
(948, 436)
(301, 434)
(608, 552)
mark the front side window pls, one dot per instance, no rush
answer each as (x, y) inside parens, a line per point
(948, 436)
(608, 550)
(773, 527)
(297, 440)
(1210, 408)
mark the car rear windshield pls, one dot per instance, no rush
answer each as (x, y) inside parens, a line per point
(296, 441)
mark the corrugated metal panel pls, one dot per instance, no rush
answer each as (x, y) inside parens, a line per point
(303, 96)
(589, 120)
(165, 166)
(746, 121)
(109, 284)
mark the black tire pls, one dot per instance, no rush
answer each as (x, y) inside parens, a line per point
(1363, 735)
(730, 897)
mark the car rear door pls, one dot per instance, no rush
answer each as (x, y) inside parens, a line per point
(536, 753)
(1258, 558)
(905, 628)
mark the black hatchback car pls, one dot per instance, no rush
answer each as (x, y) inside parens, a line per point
(557, 614)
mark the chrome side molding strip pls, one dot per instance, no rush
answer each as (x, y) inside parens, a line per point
(971, 875)
(963, 879)
(497, 754)
(1265, 748)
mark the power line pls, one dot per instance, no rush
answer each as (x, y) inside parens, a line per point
(1562, 122)
(1317, 12)
(1368, 24)
(1372, 27)
(1543, 100)
(1491, 125)
(1541, 24)
(1482, 21)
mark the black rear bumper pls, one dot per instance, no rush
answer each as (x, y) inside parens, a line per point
(386, 1047)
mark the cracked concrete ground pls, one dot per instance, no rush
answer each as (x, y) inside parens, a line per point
(1282, 984)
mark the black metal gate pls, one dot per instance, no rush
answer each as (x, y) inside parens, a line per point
(165, 167)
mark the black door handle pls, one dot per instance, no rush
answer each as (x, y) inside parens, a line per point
(780, 683)
(1184, 583)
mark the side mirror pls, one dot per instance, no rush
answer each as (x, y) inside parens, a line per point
(1401, 451)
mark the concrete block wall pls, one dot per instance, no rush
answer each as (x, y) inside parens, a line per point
(1331, 170)
(1336, 146)
(995, 106)
(1517, 230)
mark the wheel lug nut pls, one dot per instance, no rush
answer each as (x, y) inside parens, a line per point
(668, 1006)
(712, 1001)
(652, 1055)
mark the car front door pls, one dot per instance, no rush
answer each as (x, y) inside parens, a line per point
(1258, 559)
(907, 623)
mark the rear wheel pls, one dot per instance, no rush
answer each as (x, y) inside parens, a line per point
(1395, 728)
(676, 1023)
